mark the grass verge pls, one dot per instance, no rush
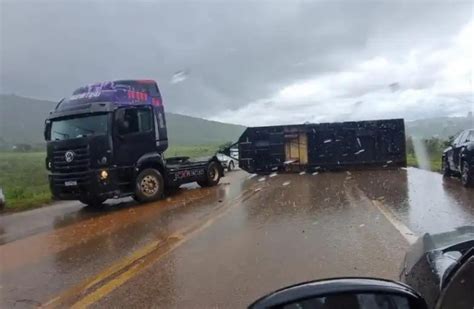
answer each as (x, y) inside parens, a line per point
(24, 180)
(435, 162)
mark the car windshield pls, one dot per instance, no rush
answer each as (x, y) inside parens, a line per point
(470, 137)
(63, 129)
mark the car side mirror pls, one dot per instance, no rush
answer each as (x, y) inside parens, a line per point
(353, 293)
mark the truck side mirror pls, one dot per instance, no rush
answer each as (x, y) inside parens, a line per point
(359, 293)
(47, 130)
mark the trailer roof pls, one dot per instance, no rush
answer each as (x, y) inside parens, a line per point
(325, 123)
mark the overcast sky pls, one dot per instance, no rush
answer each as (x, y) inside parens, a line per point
(251, 63)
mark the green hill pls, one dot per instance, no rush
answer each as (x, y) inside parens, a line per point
(22, 119)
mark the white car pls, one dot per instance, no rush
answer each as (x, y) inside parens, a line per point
(227, 162)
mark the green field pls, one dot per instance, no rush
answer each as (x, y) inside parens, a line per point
(24, 181)
(435, 162)
(23, 178)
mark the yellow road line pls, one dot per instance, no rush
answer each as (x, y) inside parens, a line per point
(90, 282)
(109, 286)
(105, 282)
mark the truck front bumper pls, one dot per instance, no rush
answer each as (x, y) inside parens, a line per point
(83, 185)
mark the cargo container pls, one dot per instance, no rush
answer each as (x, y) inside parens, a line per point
(310, 147)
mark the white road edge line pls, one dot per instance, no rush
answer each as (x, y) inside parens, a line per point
(409, 236)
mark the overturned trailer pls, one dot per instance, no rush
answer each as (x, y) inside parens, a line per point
(309, 147)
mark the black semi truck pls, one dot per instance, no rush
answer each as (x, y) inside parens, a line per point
(311, 147)
(108, 140)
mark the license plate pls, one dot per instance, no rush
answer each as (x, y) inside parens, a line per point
(70, 183)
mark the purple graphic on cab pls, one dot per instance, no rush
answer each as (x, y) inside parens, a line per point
(122, 92)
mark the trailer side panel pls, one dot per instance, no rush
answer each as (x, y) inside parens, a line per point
(325, 145)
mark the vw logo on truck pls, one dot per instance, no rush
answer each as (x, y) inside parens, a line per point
(69, 156)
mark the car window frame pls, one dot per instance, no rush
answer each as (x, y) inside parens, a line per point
(470, 136)
(457, 140)
(463, 137)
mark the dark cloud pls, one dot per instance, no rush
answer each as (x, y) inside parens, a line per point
(233, 52)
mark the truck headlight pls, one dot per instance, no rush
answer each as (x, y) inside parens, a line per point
(104, 174)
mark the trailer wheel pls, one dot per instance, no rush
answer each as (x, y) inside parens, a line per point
(94, 202)
(149, 185)
(213, 175)
(467, 177)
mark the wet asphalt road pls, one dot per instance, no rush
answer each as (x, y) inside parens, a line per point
(227, 245)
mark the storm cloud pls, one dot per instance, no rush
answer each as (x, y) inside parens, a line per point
(247, 62)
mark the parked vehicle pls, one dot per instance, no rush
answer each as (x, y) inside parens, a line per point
(322, 146)
(2, 199)
(438, 272)
(458, 159)
(107, 141)
(227, 162)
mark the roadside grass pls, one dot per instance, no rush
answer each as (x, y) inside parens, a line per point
(191, 151)
(24, 178)
(435, 162)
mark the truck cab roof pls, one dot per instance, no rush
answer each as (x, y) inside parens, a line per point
(107, 96)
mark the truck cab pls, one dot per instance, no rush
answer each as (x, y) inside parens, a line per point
(108, 140)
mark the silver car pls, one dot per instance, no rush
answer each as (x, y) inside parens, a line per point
(227, 162)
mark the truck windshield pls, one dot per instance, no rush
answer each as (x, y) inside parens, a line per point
(79, 127)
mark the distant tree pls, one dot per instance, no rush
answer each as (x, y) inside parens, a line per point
(435, 146)
(449, 141)
(224, 147)
(409, 145)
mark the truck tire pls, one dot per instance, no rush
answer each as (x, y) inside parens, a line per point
(230, 166)
(94, 202)
(213, 175)
(467, 177)
(149, 185)
(445, 168)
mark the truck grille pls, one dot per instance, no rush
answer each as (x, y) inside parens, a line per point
(76, 169)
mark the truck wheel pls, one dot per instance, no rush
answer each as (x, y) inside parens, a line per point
(94, 202)
(149, 185)
(466, 175)
(446, 170)
(231, 166)
(213, 175)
